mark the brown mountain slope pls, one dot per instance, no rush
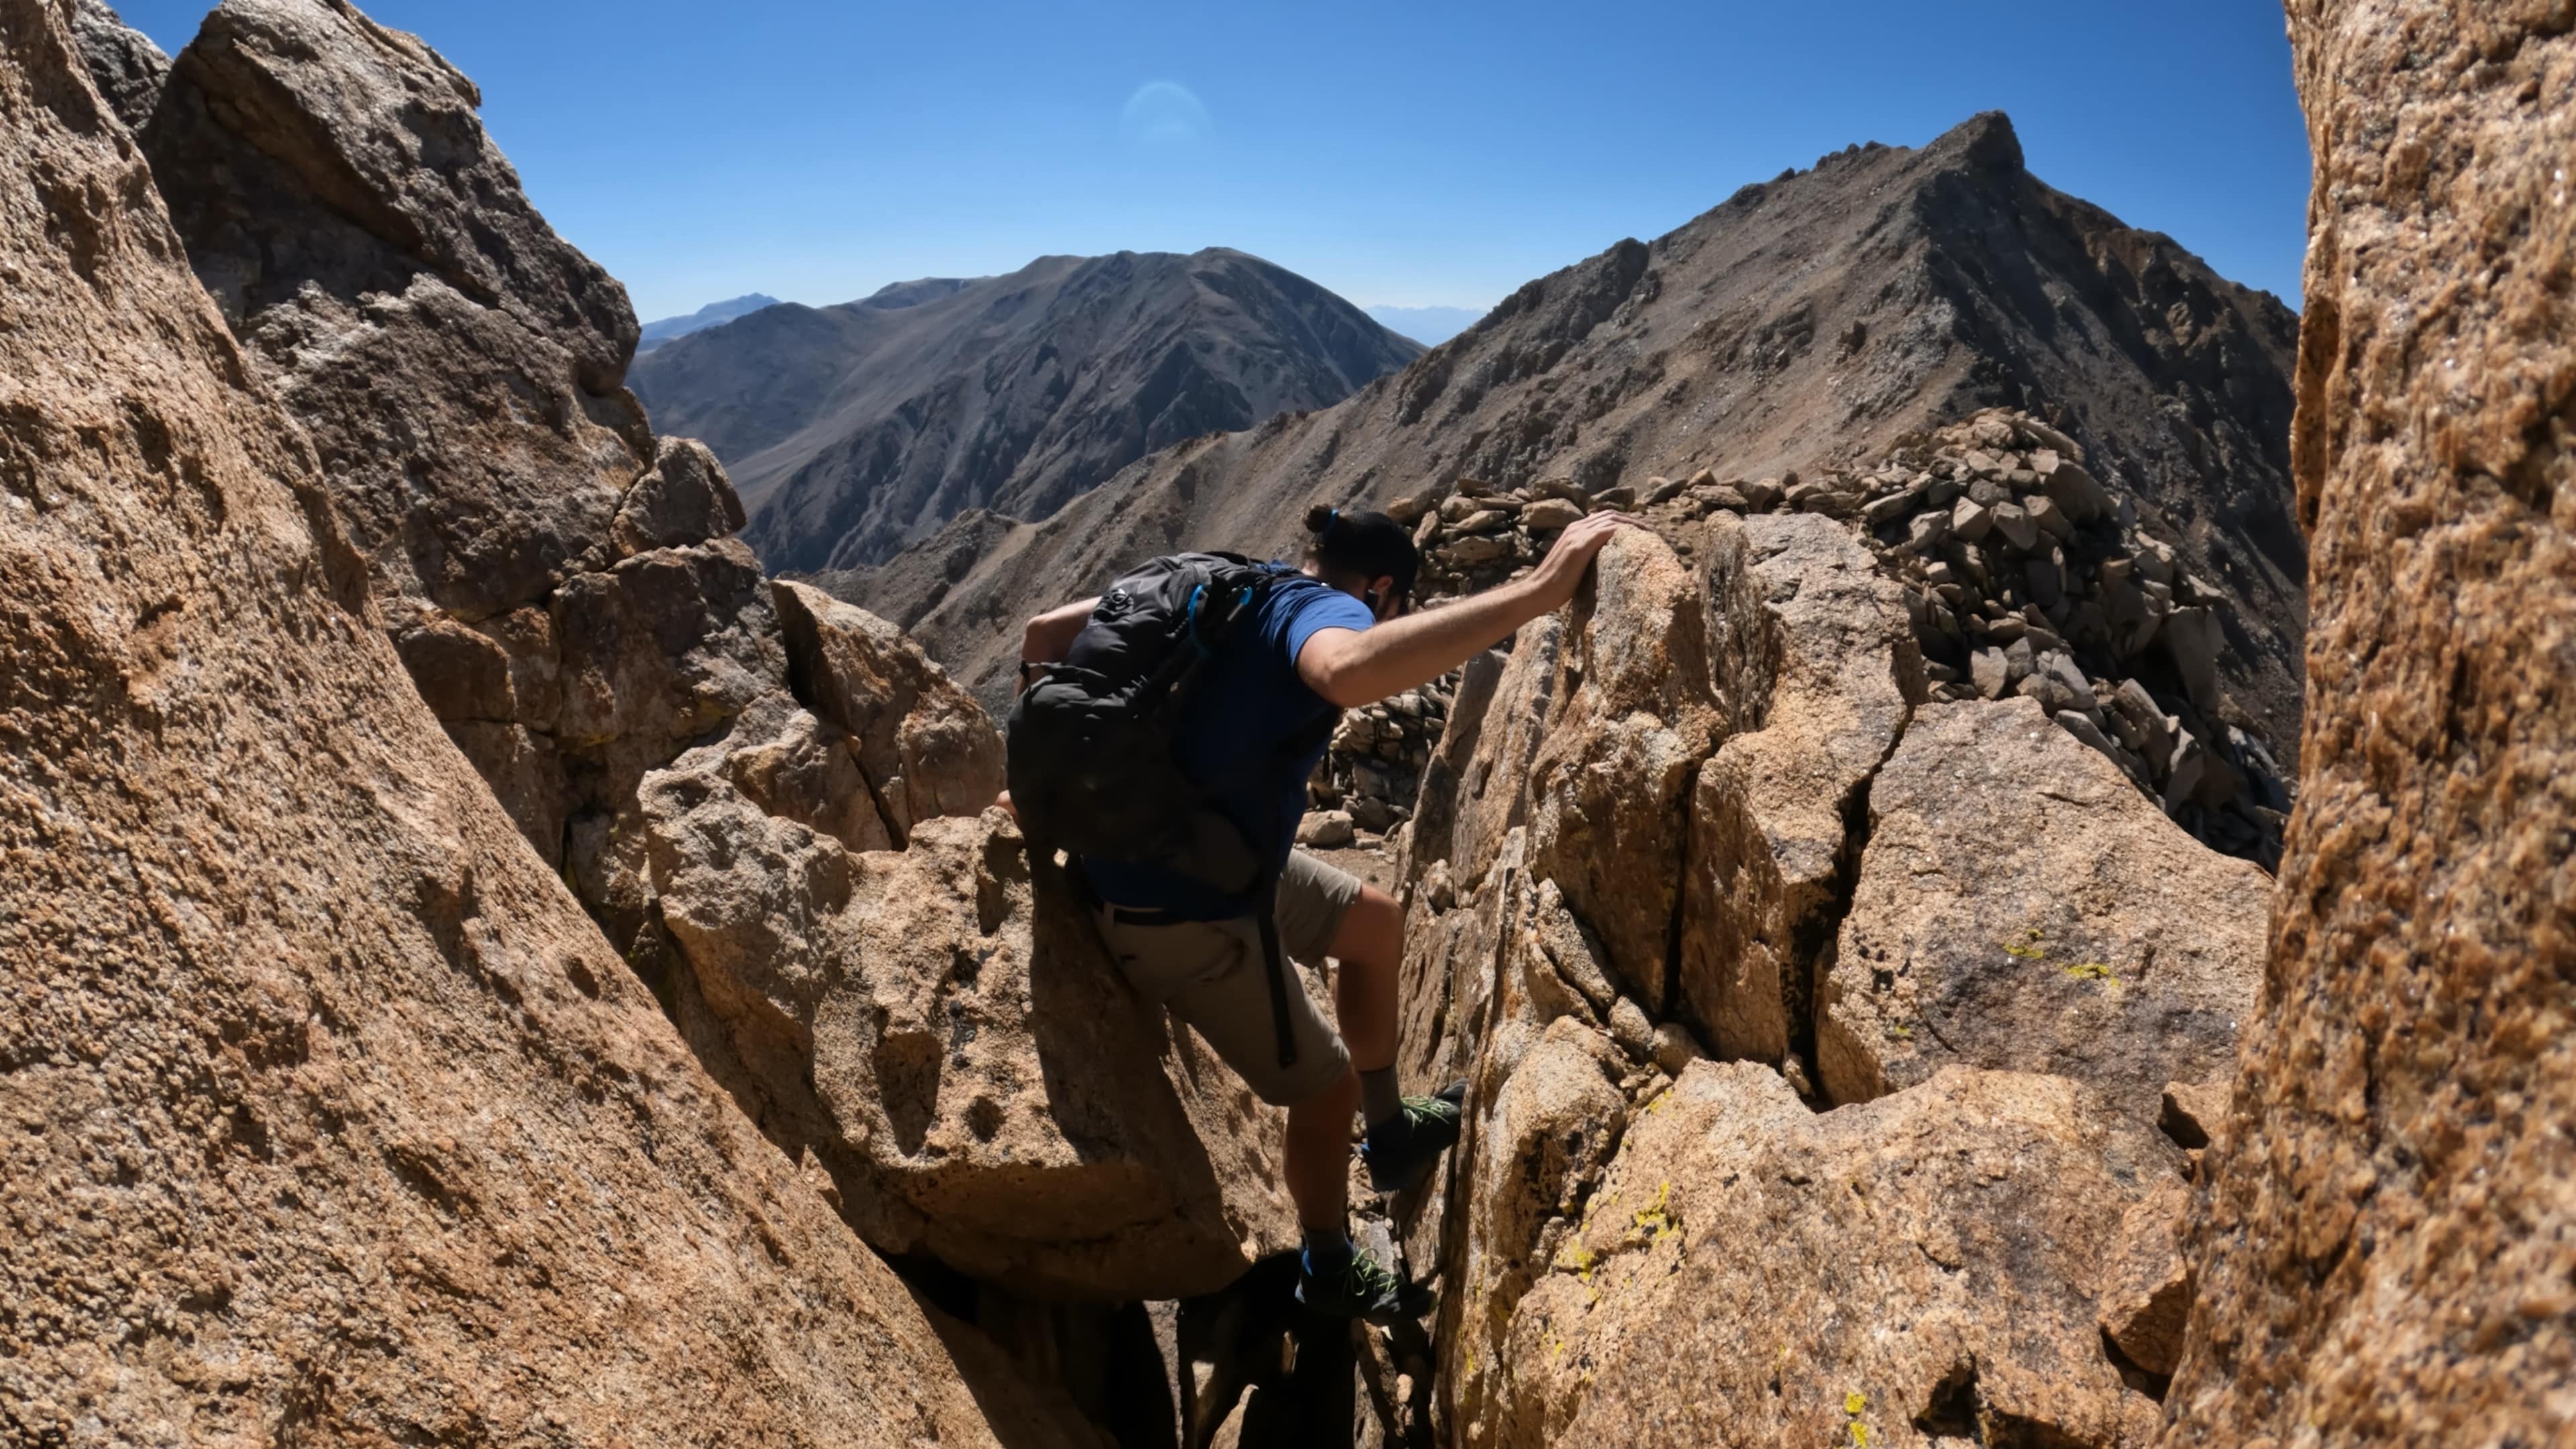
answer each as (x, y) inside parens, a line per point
(853, 430)
(1806, 321)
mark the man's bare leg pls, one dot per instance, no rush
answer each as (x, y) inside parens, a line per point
(1405, 1134)
(1319, 1155)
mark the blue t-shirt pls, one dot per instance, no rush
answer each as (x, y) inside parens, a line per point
(1250, 706)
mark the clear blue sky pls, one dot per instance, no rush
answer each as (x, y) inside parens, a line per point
(1399, 153)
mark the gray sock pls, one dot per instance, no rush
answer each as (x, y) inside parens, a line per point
(1379, 1098)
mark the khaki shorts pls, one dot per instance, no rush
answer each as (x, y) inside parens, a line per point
(1210, 974)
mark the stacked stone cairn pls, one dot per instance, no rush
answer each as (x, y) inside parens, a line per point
(1373, 768)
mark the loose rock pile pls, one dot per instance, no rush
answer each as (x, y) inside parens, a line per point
(2025, 575)
(1474, 536)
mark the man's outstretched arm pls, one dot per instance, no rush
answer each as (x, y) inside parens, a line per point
(1353, 667)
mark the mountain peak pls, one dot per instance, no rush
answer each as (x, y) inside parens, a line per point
(1984, 142)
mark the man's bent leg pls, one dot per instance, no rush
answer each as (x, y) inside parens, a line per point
(1335, 1277)
(1327, 912)
(1211, 975)
(1406, 1135)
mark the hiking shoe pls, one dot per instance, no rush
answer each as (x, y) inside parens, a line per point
(1361, 1288)
(1399, 1152)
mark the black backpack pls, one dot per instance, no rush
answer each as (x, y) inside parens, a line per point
(1092, 765)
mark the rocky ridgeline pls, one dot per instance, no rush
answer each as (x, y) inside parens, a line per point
(331, 1117)
(773, 805)
(1850, 1045)
(2025, 575)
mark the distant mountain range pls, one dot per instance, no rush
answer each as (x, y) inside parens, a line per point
(1429, 326)
(854, 430)
(657, 333)
(1807, 321)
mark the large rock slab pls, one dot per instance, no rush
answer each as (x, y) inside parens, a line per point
(459, 366)
(649, 654)
(1631, 715)
(953, 1046)
(328, 1115)
(128, 69)
(1473, 791)
(1501, 973)
(2020, 905)
(926, 747)
(320, 114)
(1912, 1271)
(1542, 869)
(2388, 1253)
(1818, 670)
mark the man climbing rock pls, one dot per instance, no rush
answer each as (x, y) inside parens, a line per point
(1236, 672)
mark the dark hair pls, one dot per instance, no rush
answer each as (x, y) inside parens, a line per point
(1369, 545)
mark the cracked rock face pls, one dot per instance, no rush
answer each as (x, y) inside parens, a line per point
(925, 748)
(2022, 906)
(1472, 796)
(757, 791)
(329, 1117)
(983, 1088)
(2388, 1250)
(901, 998)
(1818, 673)
(1631, 717)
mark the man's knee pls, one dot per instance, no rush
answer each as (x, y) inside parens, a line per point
(1342, 1091)
(1371, 931)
